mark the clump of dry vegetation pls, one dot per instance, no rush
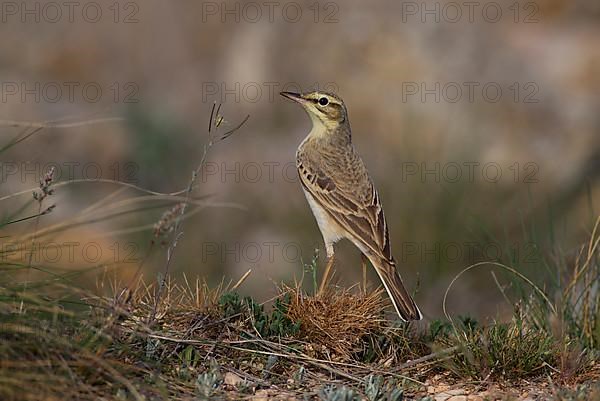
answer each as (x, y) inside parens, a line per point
(337, 320)
(334, 327)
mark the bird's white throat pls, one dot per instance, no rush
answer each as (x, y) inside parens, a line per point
(320, 129)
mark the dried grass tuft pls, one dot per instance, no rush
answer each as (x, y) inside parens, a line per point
(177, 311)
(337, 320)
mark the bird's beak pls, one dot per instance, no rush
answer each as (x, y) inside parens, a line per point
(296, 97)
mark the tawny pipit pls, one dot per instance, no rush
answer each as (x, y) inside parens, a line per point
(342, 196)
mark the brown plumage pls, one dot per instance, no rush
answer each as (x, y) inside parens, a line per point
(342, 196)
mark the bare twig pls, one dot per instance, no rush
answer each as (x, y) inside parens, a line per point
(38, 126)
(178, 232)
(56, 124)
(241, 280)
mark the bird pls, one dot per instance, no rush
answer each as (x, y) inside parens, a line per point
(342, 195)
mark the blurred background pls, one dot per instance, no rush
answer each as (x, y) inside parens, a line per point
(479, 124)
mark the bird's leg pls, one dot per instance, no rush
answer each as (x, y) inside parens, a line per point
(364, 261)
(330, 261)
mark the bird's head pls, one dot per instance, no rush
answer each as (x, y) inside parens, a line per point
(324, 108)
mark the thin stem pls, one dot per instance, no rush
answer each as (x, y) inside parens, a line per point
(178, 231)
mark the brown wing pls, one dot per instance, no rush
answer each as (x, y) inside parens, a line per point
(339, 182)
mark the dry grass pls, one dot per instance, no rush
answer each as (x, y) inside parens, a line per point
(338, 320)
(208, 343)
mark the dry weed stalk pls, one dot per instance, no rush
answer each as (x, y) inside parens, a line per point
(177, 232)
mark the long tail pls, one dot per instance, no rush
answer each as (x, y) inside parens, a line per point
(403, 303)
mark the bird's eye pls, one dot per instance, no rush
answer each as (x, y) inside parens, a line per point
(323, 101)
